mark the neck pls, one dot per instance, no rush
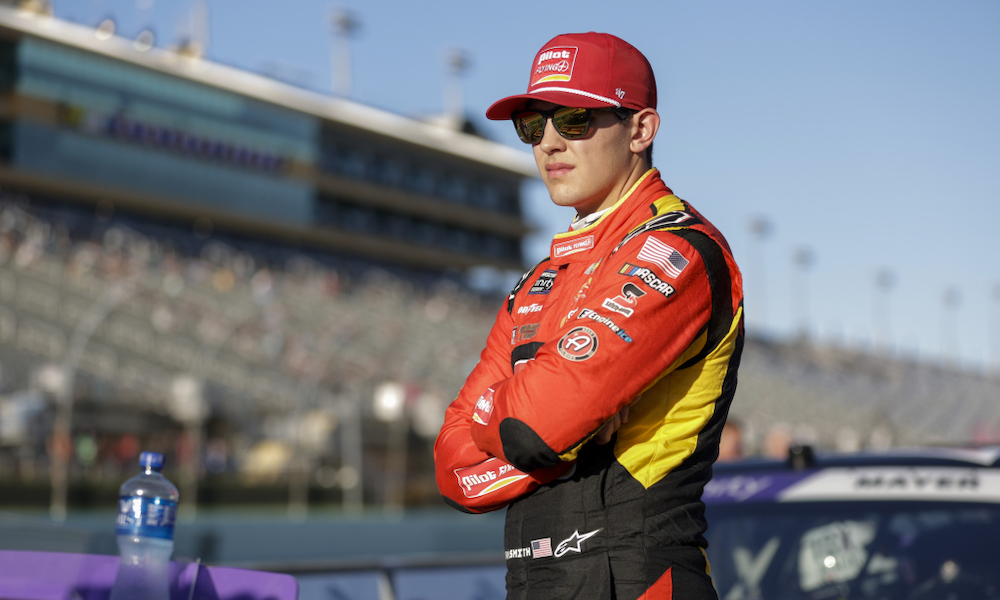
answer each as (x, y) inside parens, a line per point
(638, 168)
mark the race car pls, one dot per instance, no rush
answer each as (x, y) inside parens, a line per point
(913, 524)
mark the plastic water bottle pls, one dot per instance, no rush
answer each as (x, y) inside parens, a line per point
(147, 505)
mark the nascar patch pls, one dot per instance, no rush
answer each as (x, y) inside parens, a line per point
(647, 276)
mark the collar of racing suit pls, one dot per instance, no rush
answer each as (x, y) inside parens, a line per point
(589, 243)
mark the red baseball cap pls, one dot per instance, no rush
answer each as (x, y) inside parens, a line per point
(585, 70)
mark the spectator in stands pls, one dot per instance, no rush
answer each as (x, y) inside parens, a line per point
(597, 407)
(731, 443)
(778, 440)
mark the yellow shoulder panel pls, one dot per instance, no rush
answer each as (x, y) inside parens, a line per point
(663, 427)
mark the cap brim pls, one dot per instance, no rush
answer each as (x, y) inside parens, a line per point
(502, 109)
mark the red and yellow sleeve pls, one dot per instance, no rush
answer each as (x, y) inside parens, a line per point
(471, 479)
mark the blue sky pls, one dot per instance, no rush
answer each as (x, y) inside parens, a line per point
(866, 132)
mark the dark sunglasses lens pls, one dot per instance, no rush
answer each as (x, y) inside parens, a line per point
(572, 123)
(529, 125)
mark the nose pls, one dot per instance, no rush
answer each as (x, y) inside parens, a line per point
(551, 140)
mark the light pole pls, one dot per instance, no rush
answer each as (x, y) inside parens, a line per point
(885, 280)
(235, 315)
(951, 299)
(760, 230)
(351, 450)
(344, 25)
(458, 63)
(62, 425)
(390, 407)
(995, 329)
(802, 259)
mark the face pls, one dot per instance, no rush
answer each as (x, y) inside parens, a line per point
(589, 174)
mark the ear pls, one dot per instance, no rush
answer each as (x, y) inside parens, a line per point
(645, 124)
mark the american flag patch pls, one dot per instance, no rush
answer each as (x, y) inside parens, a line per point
(666, 257)
(541, 548)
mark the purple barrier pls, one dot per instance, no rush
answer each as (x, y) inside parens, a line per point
(26, 575)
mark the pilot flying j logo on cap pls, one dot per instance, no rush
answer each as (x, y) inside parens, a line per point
(554, 64)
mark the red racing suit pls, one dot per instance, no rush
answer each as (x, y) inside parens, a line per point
(646, 302)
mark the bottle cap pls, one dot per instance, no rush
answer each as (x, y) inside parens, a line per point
(153, 460)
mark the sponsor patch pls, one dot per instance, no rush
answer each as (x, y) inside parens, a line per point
(573, 246)
(572, 543)
(579, 343)
(487, 477)
(597, 318)
(484, 408)
(525, 332)
(517, 288)
(543, 285)
(531, 308)
(554, 64)
(664, 256)
(541, 548)
(625, 302)
(647, 276)
(582, 292)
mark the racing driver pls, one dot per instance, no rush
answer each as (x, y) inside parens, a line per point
(595, 411)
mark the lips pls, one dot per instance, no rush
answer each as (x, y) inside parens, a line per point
(557, 169)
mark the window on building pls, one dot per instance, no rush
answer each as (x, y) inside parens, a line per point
(390, 171)
(458, 240)
(421, 179)
(399, 227)
(455, 188)
(360, 219)
(427, 233)
(352, 162)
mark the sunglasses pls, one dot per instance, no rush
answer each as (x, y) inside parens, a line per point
(571, 123)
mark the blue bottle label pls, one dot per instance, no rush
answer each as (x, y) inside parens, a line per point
(146, 517)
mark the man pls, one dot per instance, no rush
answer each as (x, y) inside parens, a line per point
(595, 411)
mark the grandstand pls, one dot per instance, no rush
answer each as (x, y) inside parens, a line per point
(848, 399)
(90, 117)
(288, 347)
(280, 340)
(218, 266)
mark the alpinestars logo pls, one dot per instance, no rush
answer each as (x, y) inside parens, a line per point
(572, 543)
